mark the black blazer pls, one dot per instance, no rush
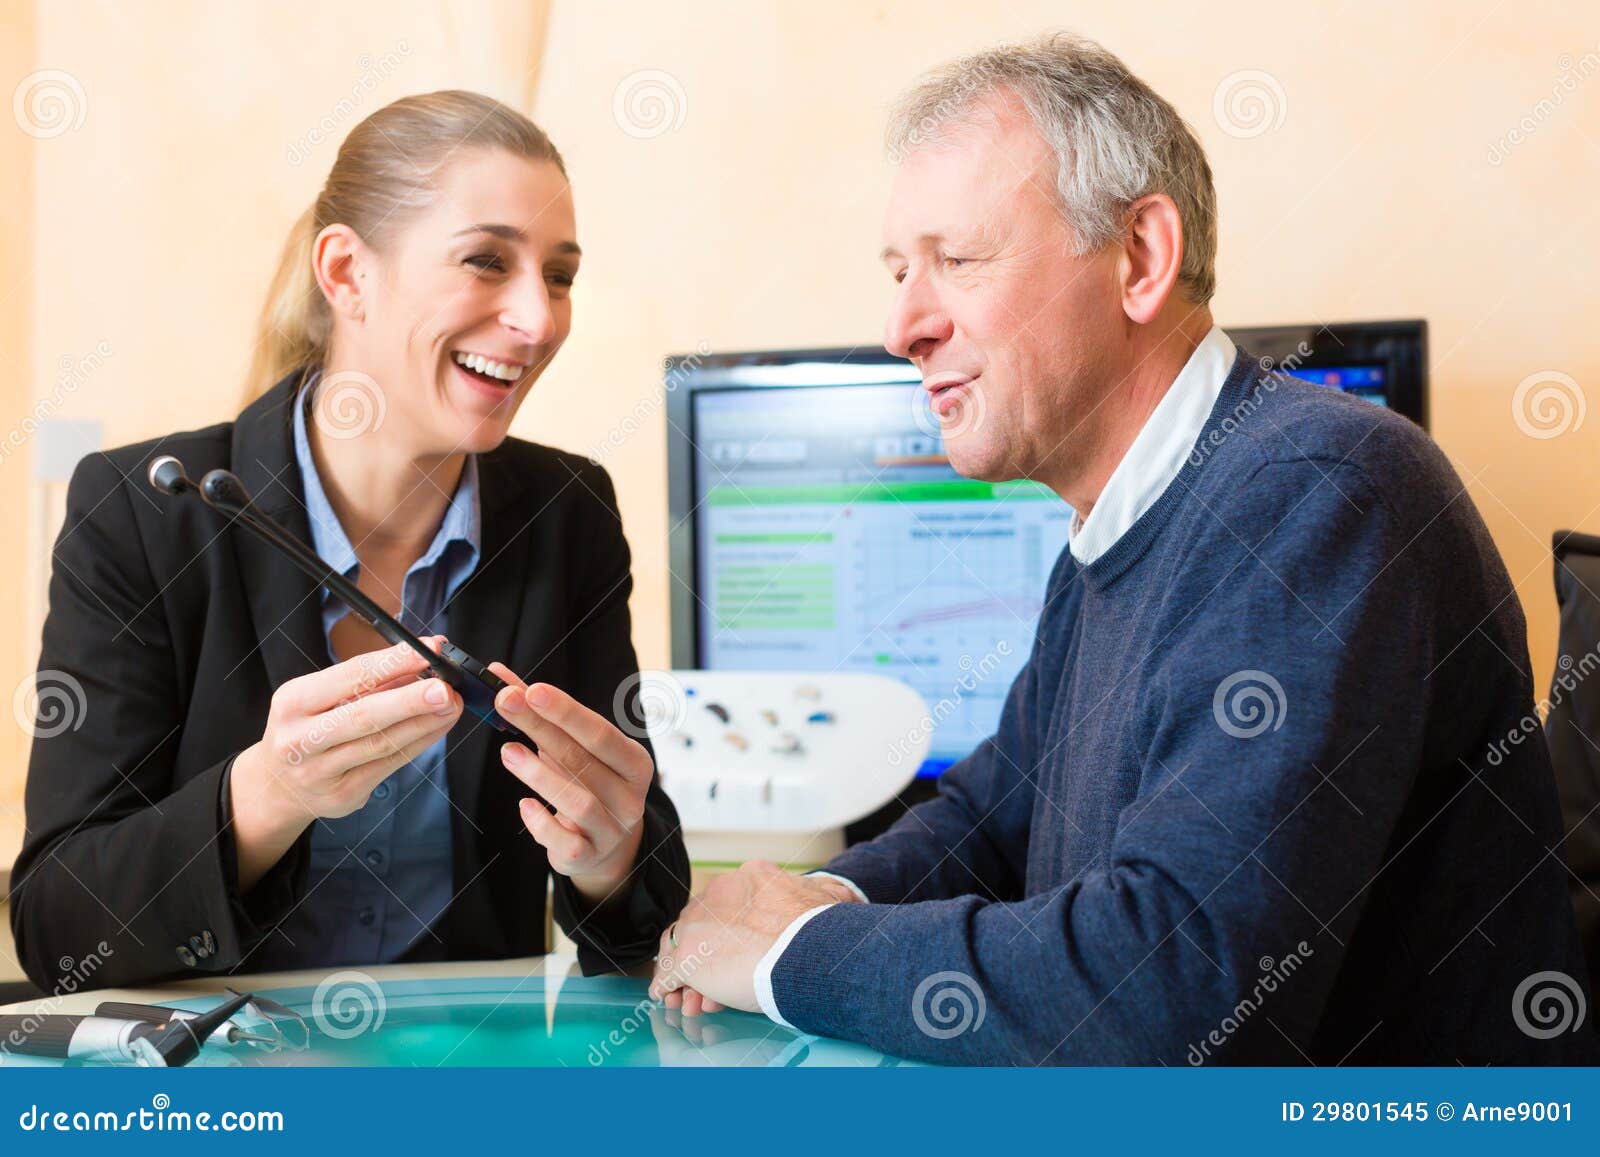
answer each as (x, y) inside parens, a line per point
(177, 628)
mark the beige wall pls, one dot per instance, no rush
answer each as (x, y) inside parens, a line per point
(16, 321)
(754, 221)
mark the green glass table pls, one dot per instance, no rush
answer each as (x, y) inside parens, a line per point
(352, 1019)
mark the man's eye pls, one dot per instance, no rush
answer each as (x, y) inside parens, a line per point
(486, 261)
(954, 262)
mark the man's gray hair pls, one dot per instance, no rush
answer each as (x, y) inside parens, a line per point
(1114, 139)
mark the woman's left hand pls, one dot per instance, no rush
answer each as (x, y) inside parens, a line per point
(591, 773)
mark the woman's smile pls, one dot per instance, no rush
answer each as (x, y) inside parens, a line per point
(487, 378)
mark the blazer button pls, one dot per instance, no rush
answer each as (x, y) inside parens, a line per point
(197, 946)
(185, 956)
(209, 941)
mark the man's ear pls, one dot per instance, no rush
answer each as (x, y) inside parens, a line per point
(1152, 254)
(340, 260)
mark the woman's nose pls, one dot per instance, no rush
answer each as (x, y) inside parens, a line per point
(916, 323)
(529, 313)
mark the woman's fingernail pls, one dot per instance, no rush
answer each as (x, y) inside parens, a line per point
(437, 693)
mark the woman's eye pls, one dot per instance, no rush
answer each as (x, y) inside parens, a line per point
(486, 261)
(565, 279)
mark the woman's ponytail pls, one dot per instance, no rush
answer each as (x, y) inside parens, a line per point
(293, 330)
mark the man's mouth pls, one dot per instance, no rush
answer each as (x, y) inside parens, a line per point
(945, 389)
(487, 371)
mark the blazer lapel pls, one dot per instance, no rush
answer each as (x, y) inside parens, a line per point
(283, 600)
(483, 618)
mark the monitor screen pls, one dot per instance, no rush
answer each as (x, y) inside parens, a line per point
(1369, 382)
(832, 534)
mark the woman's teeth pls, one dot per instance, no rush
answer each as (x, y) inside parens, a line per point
(503, 371)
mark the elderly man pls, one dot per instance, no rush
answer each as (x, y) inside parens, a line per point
(1240, 805)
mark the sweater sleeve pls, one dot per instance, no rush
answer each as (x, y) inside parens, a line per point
(973, 835)
(1285, 725)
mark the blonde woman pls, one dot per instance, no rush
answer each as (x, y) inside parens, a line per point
(257, 781)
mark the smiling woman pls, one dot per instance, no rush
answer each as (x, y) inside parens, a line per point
(295, 796)
(446, 228)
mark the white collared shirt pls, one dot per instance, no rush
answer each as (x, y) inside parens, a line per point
(1158, 451)
(1153, 460)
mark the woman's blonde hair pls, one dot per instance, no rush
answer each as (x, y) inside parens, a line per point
(386, 171)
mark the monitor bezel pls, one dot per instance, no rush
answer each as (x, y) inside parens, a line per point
(1400, 346)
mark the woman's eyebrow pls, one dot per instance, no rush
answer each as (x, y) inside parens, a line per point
(512, 233)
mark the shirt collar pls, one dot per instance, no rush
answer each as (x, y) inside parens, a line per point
(1158, 451)
(463, 518)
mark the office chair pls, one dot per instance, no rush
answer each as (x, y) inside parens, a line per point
(1572, 730)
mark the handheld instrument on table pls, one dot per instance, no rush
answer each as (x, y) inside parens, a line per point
(153, 1044)
(267, 1034)
(222, 491)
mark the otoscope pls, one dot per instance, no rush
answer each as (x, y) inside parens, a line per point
(222, 491)
(101, 1038)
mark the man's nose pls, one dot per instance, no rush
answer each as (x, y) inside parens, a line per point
(916, 323)
(528, 312)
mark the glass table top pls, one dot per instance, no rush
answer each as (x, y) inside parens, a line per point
(353, 1020)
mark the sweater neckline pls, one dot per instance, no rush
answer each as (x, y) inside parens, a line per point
(1136, 541)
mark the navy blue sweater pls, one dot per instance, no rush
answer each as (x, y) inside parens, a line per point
(1252, 799)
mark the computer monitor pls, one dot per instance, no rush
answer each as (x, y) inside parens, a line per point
(817, 525)
(1382, 361)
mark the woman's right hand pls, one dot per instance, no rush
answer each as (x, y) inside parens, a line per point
(331, 737)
